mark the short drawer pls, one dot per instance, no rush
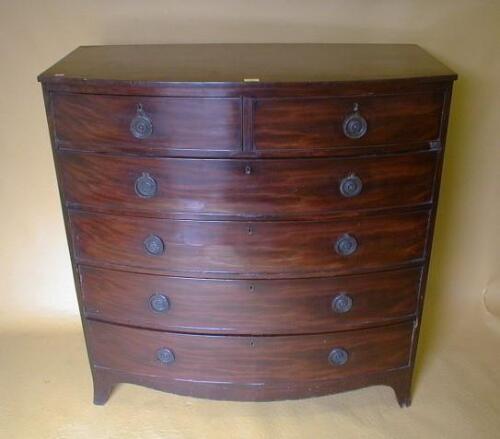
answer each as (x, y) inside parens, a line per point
(246, 188)
(318, 123)
(94, 122)
(275, 248)
(278, 306)
(249, 360)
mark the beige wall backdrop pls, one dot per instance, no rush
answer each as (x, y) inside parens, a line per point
(35, 279)
(45, 386)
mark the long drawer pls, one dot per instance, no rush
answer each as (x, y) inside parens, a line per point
(249, 306)
(246, 188)
(277, 249)
(249, 360)
(319, 123)
(96, 122)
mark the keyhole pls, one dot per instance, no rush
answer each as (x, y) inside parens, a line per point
(250, 230)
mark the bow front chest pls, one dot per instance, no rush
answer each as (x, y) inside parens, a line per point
(249, 222)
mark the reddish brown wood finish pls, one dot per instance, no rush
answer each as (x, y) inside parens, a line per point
(261, 271)
(317, 123)
(250, 361)
(91, 121)
(203, 65)
(399, 379)
(251, 90)
(255, 307)
(276, 249)
(247, 188)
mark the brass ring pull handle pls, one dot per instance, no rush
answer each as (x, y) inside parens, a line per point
(346, 245)
(355, 125)
(141, 125)
(342, 303)
(159, 303)
(351, 186)
(338, 357)
(146, 186)
(165, 356)
(154, 245)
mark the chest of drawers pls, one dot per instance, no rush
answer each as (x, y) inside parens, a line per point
(249, 222)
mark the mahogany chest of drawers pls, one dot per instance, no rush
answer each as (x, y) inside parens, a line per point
(249, 222)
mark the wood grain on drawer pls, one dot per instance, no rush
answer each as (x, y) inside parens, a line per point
(249, 306)
(250, 360)
(315, 123)
(249, 248)
(246, 188)
(97, 122)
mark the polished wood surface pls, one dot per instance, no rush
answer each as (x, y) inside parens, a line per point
(247, 188)
(90, 121)
(274, 249)
(317, 123)
(208, 63)
(254, 307)
(252, 361)
(248, 206)
(106, 379)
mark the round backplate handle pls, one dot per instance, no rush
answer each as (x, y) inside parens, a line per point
(342, 303)
(355, 125)
(338, 357)
(141, 126)
(351, 186)
(146, 186)
(165, 356)
(159, 302)
(346, 245)
(154, 245)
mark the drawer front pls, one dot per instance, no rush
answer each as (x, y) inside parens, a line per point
(249, 360)
(152, 123)
(249, 306)
(260, 248)
(281, 124)
(246, 188)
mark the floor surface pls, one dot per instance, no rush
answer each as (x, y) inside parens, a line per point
(46, 392)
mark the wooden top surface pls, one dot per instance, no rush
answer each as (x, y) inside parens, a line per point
(233, 63)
